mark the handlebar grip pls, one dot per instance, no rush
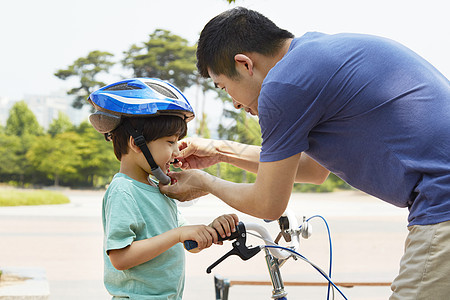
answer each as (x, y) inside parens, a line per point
(191, 245)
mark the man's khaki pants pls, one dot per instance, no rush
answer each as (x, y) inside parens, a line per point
(425, 266)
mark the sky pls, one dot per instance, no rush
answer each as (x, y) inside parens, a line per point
(39, 37)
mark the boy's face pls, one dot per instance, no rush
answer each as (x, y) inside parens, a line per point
(164, 150)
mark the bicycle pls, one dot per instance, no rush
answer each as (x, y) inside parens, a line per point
(275, 255)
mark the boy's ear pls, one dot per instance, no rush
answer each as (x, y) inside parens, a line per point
(135, 148)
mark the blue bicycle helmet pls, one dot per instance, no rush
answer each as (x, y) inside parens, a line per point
(138, 97)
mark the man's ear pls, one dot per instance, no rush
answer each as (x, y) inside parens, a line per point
(133, 146)
(245, 62)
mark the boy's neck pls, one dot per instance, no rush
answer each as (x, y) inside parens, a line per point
(137, 174)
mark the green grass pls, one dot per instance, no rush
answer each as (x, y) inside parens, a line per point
(15, 197)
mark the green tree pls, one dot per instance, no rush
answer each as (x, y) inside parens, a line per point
(22, 121)
(244, 130)
(203, 129)
(80, 157)
(14, 167)
(166, 56)
(86, 69)
(21, 130)
(98, 163)
(60, 125)
(10, 157)
(55, 156)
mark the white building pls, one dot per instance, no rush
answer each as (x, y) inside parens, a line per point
(5, 106)
(46, 108)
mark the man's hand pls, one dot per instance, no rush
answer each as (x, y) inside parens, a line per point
(197, 153)
(188, 185)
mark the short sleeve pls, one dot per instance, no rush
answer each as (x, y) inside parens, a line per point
(287, 114)
(122, 218)
(181, 219)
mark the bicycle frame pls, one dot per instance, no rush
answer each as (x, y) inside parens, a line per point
(222, 286)
(273, 265)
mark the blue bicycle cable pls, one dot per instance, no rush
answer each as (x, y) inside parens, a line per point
(312, 264)
(330, 246)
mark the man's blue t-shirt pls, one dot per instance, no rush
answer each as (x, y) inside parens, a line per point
(369, 110)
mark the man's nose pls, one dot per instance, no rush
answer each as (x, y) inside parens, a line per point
(236, 104)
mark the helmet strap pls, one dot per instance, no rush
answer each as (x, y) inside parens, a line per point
(108, 137)
(139, 140)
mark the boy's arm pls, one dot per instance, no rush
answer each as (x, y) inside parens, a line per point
(144, 250)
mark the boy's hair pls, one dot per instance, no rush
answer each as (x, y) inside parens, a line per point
(153, 128)
(238, 30)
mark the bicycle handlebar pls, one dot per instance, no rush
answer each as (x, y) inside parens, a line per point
(291, 225)
(269, 241)
(289, 230)
(275, 255)
(191, 245)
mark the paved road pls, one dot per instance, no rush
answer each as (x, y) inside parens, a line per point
(66, 241)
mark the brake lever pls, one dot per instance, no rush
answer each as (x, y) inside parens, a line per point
(239, 248)
(190, 245)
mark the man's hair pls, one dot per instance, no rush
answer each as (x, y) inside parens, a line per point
(153, 128)
(238, 30)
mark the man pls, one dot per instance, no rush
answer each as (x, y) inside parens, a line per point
(366, 108)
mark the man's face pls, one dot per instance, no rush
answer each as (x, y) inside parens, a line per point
(244, 90)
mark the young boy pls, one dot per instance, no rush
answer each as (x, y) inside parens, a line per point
(143, 256)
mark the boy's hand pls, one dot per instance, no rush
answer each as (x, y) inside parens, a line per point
(204, 235)
(225, 225)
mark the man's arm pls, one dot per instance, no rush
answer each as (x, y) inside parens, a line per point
(266, 198)
(199, 153)
(247, 157)
(243, 156)
(310, 171)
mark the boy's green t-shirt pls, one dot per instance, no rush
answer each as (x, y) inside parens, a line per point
(135, 211)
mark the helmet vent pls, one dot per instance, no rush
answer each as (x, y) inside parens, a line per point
(122, 87)
(162, 90)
